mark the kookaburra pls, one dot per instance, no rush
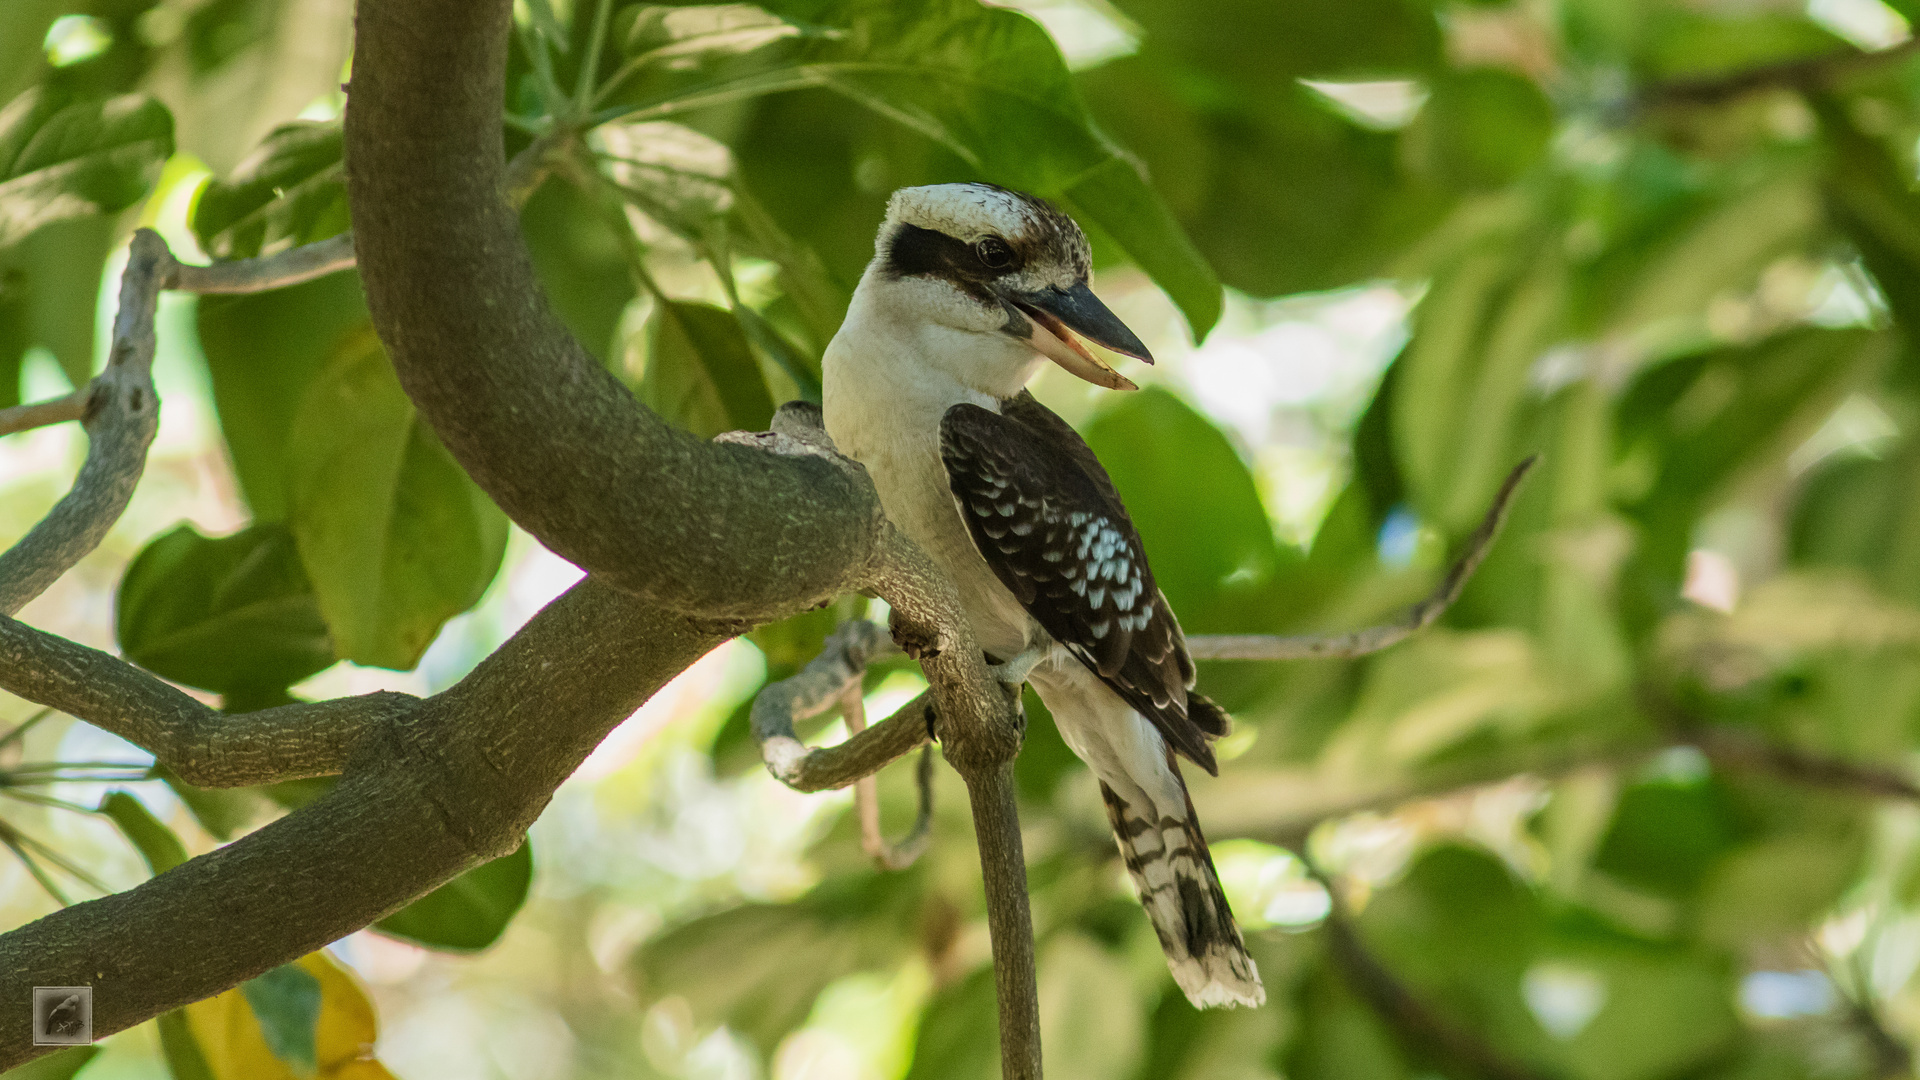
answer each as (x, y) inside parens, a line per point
(971, 288)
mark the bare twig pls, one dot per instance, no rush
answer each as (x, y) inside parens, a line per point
(1805, 74)
(1373, 638)
(866, 797)
(122, 414)
(275, 271)
(41, 413)
(823, 683)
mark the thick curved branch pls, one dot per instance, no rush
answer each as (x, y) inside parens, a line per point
(429, 792)
(1374, 638)
(556, 440)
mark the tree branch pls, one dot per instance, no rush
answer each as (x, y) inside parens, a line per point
(823, 683)
(866, 799)
(1374, 638)
(980, 730)
(712, 529)
(206, 747)
(277, 271)
(121, 416)
(1806, 74)
(41, 413)
(430, 790)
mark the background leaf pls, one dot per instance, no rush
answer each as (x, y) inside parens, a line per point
(63, 159)
(233, 614)
(470, 912)
(394, 537)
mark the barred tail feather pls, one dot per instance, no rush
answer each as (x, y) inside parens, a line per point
(1173, 871)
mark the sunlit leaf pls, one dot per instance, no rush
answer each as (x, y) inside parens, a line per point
(234, 1045)
(289, 191)
(394, 537)
(700, 374)
(262, 353)
(64, 159)
(987, 84)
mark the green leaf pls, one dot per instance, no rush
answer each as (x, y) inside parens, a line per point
(61, 159)
(1114, 198)
(262, 353)
(290, 191)
(1707, 419)
(1154, 445)
(1666, 833)
(1775, 889)
(1260, 48)
(50, 288)
(470, 912)
(59, 1065)
(959, 1036)
(1860, 513)
(23, 33)
(150, 837)
(987, 84)
(287, 1001)
(700, 373)
(180, 1049)
(847, 924)
(1090, 1012)
(582, 265)
(395, 538)
(1482, 128)
(229, 614)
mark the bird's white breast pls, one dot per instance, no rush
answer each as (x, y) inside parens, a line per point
(884, 391)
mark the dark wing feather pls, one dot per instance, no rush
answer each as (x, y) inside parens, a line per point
(1047, 519)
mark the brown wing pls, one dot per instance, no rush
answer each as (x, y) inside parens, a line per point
(1047, 519)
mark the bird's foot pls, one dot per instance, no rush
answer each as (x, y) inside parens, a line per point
(1015, 671)
(916, 641)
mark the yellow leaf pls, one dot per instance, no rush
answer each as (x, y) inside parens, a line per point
(231, 1041)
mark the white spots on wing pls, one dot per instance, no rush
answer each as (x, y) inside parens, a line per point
(1005, 509)
(1023, 528)
(980, 509)
(1099, 629)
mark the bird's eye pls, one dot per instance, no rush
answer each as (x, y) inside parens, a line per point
(994, 252)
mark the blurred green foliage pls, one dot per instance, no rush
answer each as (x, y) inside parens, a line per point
(1639, 809)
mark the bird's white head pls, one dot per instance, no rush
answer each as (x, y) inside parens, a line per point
(989, 280)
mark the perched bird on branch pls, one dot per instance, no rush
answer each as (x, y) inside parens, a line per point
(971, 288)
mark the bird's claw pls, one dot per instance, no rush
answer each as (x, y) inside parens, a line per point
(1015, 671)
(915, 641)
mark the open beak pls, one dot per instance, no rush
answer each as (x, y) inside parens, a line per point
(1059, 314)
